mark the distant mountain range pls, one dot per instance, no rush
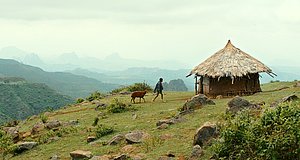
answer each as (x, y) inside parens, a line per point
(19, 99)
(65, 83)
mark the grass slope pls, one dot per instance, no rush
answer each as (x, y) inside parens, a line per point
(179, 137)
(18, 101)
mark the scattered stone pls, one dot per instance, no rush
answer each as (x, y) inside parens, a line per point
(103, 157)
(116, 139)
(285, 99)
(165, 158)
(166, 136)
(90, 139)
(52, 139)
(54, 157)
(205, 134)
(33, 117)
(135, 137)
(128, 149)
(237, 104)
(52, 124)
(79, 154)
(171, 121)
(12, 131)
(134, 116)
(170, 154)
(139, 156)
(197, 102)
(24, 146)
(100, 106)
(72, 123)
(26, 134)
(37, 128)
(163, 126)
(121, 157)
(197, 152)
(219, 97)
(125, 93)
(47, 114)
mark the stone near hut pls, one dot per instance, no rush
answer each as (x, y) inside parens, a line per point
(135, 137)
(116, 139)
(289, 98)
(52, 124)
(90, 139)
(80, 154)
(219, 97)
(24, 146)
(197, 152)
(37, 127)
(205, 134)
(237, 104)
(197, 102)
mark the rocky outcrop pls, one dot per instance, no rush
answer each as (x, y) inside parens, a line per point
(24, 146)
(289, 98)
(13, 132)
(37, 128)
(116, 139)
(205, 134)
(90, 139)
(197, 102)
(80, 154)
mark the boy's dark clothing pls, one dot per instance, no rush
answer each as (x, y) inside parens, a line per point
(159, 87)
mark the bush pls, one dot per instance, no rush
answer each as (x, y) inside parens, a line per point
(273, 135)
(43, 118)
(79, 100)
(118, 107)
(96, 120)
(103, 130)
(132, 88)
(6, 144)
(94, 96)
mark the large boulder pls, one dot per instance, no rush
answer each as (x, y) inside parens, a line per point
(135, 137)
(80, 154)
(24, 146)
(197, 152)
(197, 102)
(53, 124)
(237, 104)
(289, 98)
(205, 134)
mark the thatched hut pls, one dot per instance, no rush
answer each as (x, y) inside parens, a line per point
(229, 72)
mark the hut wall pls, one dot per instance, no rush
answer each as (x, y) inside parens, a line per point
(241, 86)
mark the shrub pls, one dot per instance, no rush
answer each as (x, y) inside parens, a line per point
(134, 87)
(118, 107)
(94, 96)
(43, 118)
(79, 100)
(96, 120)
(6, 144)
(103, 130)
(275, 134)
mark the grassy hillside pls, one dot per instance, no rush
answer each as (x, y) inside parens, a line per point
(66, 83)
(177, 138)
(20, 100)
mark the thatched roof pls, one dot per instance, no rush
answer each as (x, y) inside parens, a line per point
(230, 62)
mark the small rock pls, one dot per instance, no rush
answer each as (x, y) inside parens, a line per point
(165, 158)
(80, 154)
(170, 154)
(128, 149)
(52, 139)
(163, 126)
(196, 152)
(104, 157)
(116, 139)
(53, 124)
(135, 137)
(12, 131)
(219, 97)
(26, 134)
(166, 136)
(121, 157)
(134, 116)
(100, 106)
(54, 157)
(90, 139)
(297, 84)
(47, 114)
(37, 128)
(205, 133)
(285, 99)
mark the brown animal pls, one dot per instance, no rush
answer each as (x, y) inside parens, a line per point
(139, 94)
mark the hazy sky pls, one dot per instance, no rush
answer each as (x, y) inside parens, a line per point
(185, 31)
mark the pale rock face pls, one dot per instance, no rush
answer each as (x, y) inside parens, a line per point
(205, 134)
(80, 154)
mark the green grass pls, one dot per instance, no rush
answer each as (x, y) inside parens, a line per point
(180, 135)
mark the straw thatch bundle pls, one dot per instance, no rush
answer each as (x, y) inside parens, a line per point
(230, 62)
